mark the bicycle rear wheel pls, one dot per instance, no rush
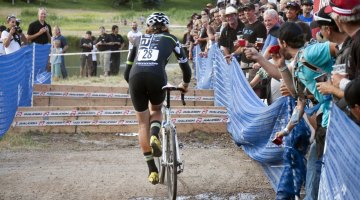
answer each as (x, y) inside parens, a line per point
(171, 168)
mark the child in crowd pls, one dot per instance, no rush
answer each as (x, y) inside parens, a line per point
(56, 60)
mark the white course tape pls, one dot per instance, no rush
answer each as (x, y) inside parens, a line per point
(29, 123)
(76, 113)
(112, 95)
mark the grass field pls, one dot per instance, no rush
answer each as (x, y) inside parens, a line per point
(77, 16)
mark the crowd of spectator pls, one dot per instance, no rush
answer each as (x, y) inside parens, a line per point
(284, 49)
(287, 49)
(106, 45)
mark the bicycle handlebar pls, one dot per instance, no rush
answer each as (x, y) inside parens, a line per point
(169, 88)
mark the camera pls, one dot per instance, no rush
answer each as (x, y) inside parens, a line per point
(17, 27)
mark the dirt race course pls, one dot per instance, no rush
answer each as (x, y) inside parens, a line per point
(107, 166)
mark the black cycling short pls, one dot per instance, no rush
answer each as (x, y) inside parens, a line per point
(145, 87)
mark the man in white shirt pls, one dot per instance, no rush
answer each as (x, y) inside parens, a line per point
(133, 36)
(10, 38)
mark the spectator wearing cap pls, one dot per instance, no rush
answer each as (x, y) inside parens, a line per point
(252, 32)
(346, 14)
(2, 49)
(352, 98)
(103, 44)
(86, 45)
(331, 32)
(229, 34)
(292, 11)
(307, 7)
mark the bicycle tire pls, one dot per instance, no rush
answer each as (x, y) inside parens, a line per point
(171, 169)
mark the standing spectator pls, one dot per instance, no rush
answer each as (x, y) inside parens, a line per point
(2, 49)
(10, 37)
(307, 7)
(94, 60)
(64, 46)
(103, 44)
(55, 60)
(254, 31)
(117, 44)
(187, 39)
(229, 34)
(292, 11)
(133, 36)
(86, 44)
(39, 31)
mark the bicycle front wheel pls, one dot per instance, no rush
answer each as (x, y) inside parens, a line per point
(171, 169)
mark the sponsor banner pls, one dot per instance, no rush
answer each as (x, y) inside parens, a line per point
(76, 113)
(113, 122)
(112, 95)
(81, 94)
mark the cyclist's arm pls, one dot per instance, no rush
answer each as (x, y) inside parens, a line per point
(129, 63)
(183, 62)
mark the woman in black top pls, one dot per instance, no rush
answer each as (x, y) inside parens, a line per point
(146, 79)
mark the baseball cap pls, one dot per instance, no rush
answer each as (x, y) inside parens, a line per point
(342, 7)
(307, 2)
(249, 6)
(293, 5)
(323, 19)
(230, 10)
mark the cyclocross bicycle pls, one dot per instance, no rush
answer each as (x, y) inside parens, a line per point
(170, 162)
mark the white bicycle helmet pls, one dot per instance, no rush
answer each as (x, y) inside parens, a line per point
(157, 17)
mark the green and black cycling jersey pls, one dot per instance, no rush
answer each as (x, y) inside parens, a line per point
(147, 77)
(153, 54)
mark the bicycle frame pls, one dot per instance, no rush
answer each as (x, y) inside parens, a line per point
(168, 125)
(169, 131)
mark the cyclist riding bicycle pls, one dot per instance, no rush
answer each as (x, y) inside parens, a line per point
(146, 79)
